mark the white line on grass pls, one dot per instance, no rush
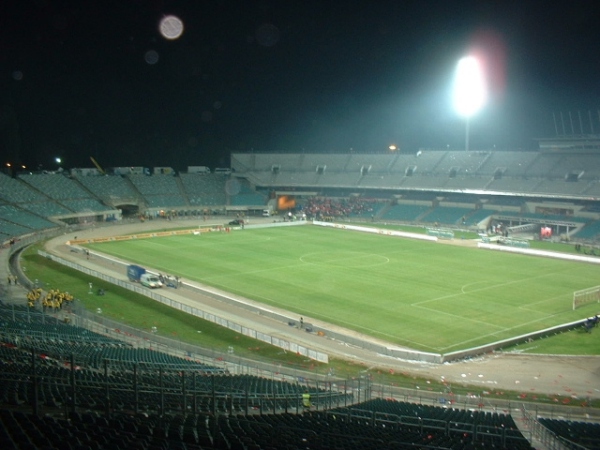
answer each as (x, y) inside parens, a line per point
(352, 326)
(460, 317)
(465, 286)
(290, 266)
(526, 307)
(494, 286)
(495, 333)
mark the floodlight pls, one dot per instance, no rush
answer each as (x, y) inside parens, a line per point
(469, 90)
(469, 87)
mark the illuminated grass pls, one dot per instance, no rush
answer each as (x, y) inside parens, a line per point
(423, 295)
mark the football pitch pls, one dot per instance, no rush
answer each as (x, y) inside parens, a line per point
(427, 296)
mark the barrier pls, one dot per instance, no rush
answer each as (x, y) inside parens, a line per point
(441, 233)
(395, 233)
(154, 295)
(534, 252)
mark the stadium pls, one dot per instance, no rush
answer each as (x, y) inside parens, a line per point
(350, 215)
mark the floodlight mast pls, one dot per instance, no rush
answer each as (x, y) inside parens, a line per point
(469, 91)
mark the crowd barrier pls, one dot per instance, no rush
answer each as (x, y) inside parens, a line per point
(197, 312)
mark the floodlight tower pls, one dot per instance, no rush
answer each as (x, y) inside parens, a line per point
(469, 91)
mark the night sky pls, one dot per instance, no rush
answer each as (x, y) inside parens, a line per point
(96, 78)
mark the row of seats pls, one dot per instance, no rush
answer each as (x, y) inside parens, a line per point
(49, 381)
(584, 188)
(584, 434)
(517, 164)
(266, 431)
(27, 199)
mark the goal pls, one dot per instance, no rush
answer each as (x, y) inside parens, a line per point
(585, 296)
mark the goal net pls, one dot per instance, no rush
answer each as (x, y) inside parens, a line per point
(586, 296)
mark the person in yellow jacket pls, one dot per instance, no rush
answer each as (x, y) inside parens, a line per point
(306, 400)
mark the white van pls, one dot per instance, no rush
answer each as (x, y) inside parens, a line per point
(150, 280)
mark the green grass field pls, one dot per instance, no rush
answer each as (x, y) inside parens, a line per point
(427, 296)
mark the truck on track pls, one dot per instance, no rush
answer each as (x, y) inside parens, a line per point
(139, 275)
(134, 273)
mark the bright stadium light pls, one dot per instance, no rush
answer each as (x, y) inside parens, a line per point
(469, 90)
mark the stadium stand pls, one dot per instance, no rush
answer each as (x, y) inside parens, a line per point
(543, 165)
(63, 386)
(514, 185)
(376, 163)
(204, 189)
(464, 182)
(9, 229)
(26, 219)
(404, 212)
(429, 182)
(475, 217)
(582, 434)
(246, 195)
(513, 163)
(57, 186)
(423, 162)
(109, 188)
(159, 190)
(589, 231)
(14, 191)
(65, 191)
(47, 208)
(559, 187)
(463, 162)
(447, 215)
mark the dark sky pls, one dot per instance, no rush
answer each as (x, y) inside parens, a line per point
(95, 78)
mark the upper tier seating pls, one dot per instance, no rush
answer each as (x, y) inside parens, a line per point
(159, 190)
(56, 186)
(109, 188)
(14, 191)
(23, 218)
(205, 189)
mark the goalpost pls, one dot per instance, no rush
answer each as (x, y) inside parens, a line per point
(586, 296)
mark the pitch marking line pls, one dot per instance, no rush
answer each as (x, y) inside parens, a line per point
(526, 307)
(350, 325)
(487, 324)
(496, 333)
(494, 286)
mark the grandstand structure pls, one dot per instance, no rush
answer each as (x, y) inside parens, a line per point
(523, 191)
(64, 386)
(32, 202)
(558, 189)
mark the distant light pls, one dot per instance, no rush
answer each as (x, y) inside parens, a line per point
(58, 160)
(171, 27)
(469, 87)
(267, 35)
(151, 57)
(8, 165)
(393, 147)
